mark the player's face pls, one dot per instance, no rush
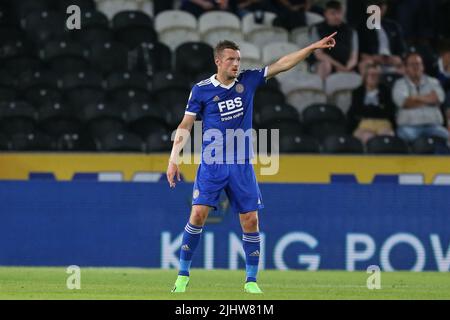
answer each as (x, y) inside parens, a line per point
(228, 63)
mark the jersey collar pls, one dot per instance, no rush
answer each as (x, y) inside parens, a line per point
(216, 82)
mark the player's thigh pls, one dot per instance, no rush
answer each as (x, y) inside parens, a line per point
(209, 183)
(243, 190)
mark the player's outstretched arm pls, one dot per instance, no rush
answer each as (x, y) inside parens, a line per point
(291, 60)
(181, 137)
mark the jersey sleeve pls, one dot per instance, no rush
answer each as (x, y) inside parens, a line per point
(194, 104)
(256, 77)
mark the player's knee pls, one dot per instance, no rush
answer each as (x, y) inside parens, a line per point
(249, 222)
(199, 215)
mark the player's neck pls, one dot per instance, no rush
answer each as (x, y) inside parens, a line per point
(224, 80)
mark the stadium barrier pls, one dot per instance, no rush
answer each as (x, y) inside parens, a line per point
(305, 226)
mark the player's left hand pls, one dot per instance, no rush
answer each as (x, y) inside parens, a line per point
(172, 171)
(326, 43)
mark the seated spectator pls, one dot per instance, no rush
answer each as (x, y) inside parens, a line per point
(372, 111)
(198, 7)
(444, 78)
(291, 13)
(418, 98)
(242, 7)
(344, 56)
(384, 46)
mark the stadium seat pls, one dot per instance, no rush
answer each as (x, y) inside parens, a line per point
(322, 120)
(56, 119)
(430, 145)
(298, 143)
(40, 87)
(216, 25)
(175, 27)
(85, 5)
(64, 56)
(82, 88)
(34, 141)
(269, 113)
(8, 91)
(193, 58)
(17, 117)
(112, 7)
(250, 56)
(133, 27)
(10, 33)
(313, 18)
(19, 65)
(10, 49)
(268, 95)
(75, 142)
(4, 142)
(144, 119)
(152, 57)
(262, 33)
(125, 88)
(120, 142)
(43, 26)
(339, 87)
(158, 142)
(95, 28)
(23, 8)
(386, 145)
(302, 89)
(342, 144)
(102, 118)
(300, 36)
(109, 56)
(273, 51)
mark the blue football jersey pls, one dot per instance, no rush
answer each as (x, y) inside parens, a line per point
(227, 113)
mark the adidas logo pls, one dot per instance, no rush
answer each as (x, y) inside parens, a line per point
(255, 254)
(185, 247)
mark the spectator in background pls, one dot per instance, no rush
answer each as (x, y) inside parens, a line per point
(444, 78)
(198, 7)
(383, 46)
(291, 13)
(344, 56)
(418, 98)
(242, 7)
(372, 111)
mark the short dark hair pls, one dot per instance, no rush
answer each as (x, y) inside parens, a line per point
(225, 44)
(333, 5)
(409, 55)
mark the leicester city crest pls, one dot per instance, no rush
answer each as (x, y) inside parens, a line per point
(239, 88)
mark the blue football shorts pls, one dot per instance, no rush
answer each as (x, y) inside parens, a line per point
(238, 181)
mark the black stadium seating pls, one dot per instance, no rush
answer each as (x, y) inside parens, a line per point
(194, 58)
(387, 145)
(17, 117)
(82, 88)
(343, 144)
(102, 118)
(133, 28)
(117, 85)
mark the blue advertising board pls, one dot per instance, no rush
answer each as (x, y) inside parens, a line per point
(304, 226)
